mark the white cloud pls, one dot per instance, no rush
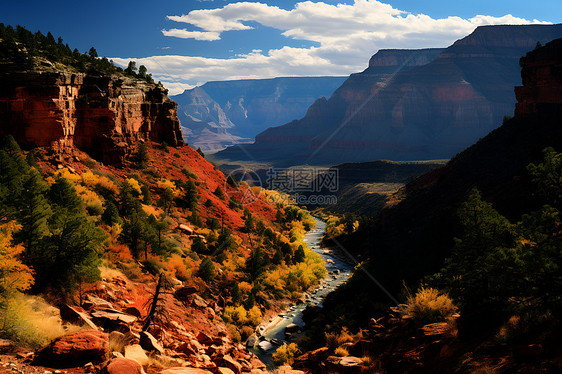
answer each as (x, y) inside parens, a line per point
(175, 88)
(347, 35)
(197, 35)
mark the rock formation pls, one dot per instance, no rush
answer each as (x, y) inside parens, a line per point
(219, 114)
(395, 111)
(102, 115)
(541, 72)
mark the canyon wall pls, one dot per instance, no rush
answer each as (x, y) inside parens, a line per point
(409, 105)
(219, 114)
(101, 115)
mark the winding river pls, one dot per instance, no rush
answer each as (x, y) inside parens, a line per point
(338, 273)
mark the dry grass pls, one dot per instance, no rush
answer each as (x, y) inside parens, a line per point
(341, 351)
(31, 322)
(428, 305)
(335, 340)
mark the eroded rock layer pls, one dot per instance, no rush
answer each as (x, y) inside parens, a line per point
(102, 115)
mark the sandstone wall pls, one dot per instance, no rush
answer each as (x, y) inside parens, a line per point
(104, 116)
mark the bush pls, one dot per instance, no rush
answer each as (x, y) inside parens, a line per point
(335, 340)
(428, 305)
(341, 351)
(30, 321)
(285, 355)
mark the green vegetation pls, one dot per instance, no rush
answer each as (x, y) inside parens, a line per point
(24, 49)
(512, 266)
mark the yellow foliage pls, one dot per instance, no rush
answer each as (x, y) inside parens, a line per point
(92, 180)
(341, 351)
(428, 305)
(245, 287)
(285, 355)
(14, 275)
(335, 340)
(254, 315)
(66, 174)
(165, 183)
(134, 185)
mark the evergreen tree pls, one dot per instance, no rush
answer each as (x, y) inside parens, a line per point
(299, 255)
(33, 211)
(206, 270)
(467, 273)
(142, 155)
(110, 215)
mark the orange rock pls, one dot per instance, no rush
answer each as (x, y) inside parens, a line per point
(74, 350)
(123, 366)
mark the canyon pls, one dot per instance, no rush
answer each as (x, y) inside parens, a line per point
(397, 111)
(219, 114)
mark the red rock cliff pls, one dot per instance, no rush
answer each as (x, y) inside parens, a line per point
(104, 116)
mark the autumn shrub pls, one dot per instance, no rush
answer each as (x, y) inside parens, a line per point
(429, 305)
(119, 253)
(285, 355)
(246, 332)
(341, 351)
(177, 267)
(335, 340)
(236, 337)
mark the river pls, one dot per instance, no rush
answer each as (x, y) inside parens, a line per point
(338, 273)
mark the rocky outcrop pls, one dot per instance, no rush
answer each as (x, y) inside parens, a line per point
(102, 115)
(541, 72)
(74, 350)
(220, 114)
(395, 111)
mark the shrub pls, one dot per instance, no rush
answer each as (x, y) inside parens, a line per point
(341, 351)
(285, 355)
(335, 340)
(428, 305)
(30, 321)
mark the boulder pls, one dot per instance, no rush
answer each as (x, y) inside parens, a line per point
(251, 342)
(222, 370)
(122, 366)
(74, 350)
(134, 311)
(204, 338)
(288, 370)
(265, 346)
(136, 353)
(185, 370)
(149, 342)
(230, 363)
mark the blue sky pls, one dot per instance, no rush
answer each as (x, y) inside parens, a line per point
(189, 42)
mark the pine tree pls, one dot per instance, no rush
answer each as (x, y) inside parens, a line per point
(34, 211)
(206, 270)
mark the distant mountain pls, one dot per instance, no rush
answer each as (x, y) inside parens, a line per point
(219, 114)
(409, 105)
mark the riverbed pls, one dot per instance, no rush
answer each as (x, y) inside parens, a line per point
(338, 273)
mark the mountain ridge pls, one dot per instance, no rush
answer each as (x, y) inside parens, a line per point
(430, 111)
